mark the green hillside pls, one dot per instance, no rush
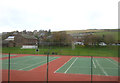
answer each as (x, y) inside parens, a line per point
(114, 34)
(101, 32)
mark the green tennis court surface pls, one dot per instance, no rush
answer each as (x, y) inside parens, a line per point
(26, 62)
(6, 56)
(100, 66)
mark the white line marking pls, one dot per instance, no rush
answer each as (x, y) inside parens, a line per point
(109, 68)
(90, 67)
(29, 58)
(49, 62)
(101, 68)
(8, 63)
(112, 62)
(94, 63)
(17, 62)
(33, 65)
(71, 65)
(62, 65)
(19, 59)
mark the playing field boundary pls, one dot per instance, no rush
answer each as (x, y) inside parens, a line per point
(43, 64)
(33, 65)
(96, 66)
(112, 62)
(71, 65)
(94, 63)
(62, 65)
(101, 68)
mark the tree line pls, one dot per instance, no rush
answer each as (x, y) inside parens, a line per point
(96, 39)
(62, 38)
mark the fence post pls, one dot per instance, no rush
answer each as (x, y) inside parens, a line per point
(48, 61)
(9, 69)
(91, 68)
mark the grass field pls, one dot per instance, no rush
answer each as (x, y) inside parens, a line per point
(26, 63)
(78, 51)
(100, 66)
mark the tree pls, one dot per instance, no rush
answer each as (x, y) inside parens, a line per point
(39, 36)
(91, 40)
(61, 38)
(42, 36)
(49, 32)
(109, 39)
(38, 39)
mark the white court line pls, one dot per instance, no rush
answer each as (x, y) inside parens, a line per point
(71, 65)
(112, 62)
(12, 60)
(27, 59)
(109, 68)
(62, 65)
(101, 68)
(94, 63)
(7, 63)
(49, 61)
(19, 61)
(33, 65)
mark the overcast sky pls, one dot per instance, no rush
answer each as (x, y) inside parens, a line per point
(58, 14)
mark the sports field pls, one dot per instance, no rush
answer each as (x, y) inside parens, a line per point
(26, 67)
(27, 62)
(100, 66)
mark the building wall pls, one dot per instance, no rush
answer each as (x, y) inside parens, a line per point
(20, 40)
(29, 41)
(11, 44)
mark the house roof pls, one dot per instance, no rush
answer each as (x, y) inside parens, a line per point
(29, 36)
(10, 38)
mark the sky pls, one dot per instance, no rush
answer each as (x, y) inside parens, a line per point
(58, 15)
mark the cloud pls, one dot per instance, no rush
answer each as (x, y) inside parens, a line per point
(58, 14)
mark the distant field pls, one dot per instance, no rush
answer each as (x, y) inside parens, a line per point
(78, 51)
(81, 31)
(114, 34)
(97, 32)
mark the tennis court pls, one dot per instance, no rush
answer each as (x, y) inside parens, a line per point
(100, 66)
(26, 63)
(26, 67)
(6, 56)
